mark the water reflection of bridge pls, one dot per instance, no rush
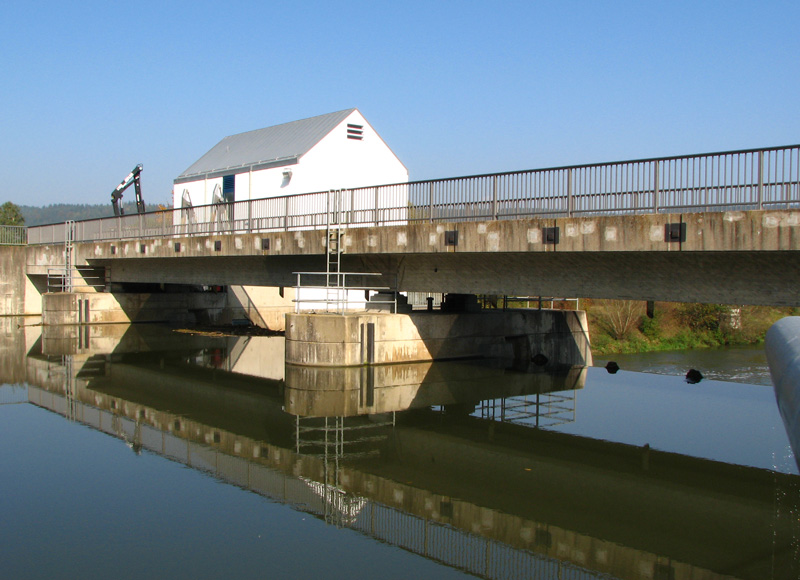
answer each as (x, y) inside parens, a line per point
(496, 500)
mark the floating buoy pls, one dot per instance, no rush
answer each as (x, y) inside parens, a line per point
(612, 367)
(694, 376)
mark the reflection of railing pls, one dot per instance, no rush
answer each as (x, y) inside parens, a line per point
(331, 441)
(539, 410)
(483, 541)
(329, 437)
(734, 180)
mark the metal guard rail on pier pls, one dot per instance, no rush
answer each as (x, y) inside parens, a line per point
(733, 180)
(13, 235)
(337, 291)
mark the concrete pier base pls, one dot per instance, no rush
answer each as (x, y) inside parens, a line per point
(558, 336)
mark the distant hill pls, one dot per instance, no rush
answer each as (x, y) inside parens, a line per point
(61, 212)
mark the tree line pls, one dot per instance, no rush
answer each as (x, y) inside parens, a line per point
(17, 215)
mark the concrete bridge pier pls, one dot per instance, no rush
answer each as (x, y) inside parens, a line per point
(262, 306)
(543, 337)
(123, 307)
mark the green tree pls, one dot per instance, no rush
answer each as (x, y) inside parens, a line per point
(11, 215)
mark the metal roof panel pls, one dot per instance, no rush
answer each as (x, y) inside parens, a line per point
(288, 142)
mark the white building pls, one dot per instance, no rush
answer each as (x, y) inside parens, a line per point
(330, 152)
(335, 151)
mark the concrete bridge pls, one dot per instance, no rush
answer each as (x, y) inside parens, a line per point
(719, 228)
(729, 257)
(699, 228)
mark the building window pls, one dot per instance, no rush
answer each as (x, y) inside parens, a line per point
(228, 188)
(355, 131)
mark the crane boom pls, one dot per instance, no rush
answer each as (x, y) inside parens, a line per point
(133, 178)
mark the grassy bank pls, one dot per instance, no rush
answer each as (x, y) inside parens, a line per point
(621, 326)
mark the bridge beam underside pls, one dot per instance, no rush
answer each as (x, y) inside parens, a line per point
(711, 277)
(759, 278)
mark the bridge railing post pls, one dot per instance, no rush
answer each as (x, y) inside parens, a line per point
(494, 197)
(430, 204)
(760, 193)
(656, 184)
(570, 207)
(376, 206)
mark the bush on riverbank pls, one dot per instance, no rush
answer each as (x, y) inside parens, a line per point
(622, 326)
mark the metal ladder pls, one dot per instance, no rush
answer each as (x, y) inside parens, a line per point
(333, 265)
(69, 239)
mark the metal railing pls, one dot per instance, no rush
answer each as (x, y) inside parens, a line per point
(338, 296)
(494, 301)
(734, 180)
(63, 279)
(13, 235)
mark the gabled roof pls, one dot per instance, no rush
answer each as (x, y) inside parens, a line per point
(270, 147)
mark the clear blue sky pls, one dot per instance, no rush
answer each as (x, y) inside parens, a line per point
(89, 89)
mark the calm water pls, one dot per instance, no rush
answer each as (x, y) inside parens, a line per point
(737, 364)
(136, 452)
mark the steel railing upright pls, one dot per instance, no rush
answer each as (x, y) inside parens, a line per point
(734, 180)
(13, 236)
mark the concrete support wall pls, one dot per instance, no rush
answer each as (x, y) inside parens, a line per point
(264, 306)
(12, 280)
(100, 308)
(367, 338)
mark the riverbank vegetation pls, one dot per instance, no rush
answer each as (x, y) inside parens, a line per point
(624, 326)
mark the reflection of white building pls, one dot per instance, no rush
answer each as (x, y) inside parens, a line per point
(333, 151)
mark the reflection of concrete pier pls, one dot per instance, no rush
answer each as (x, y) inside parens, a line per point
(348, 391)
(495, 500)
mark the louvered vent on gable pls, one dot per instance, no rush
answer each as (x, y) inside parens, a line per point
(355, 131)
